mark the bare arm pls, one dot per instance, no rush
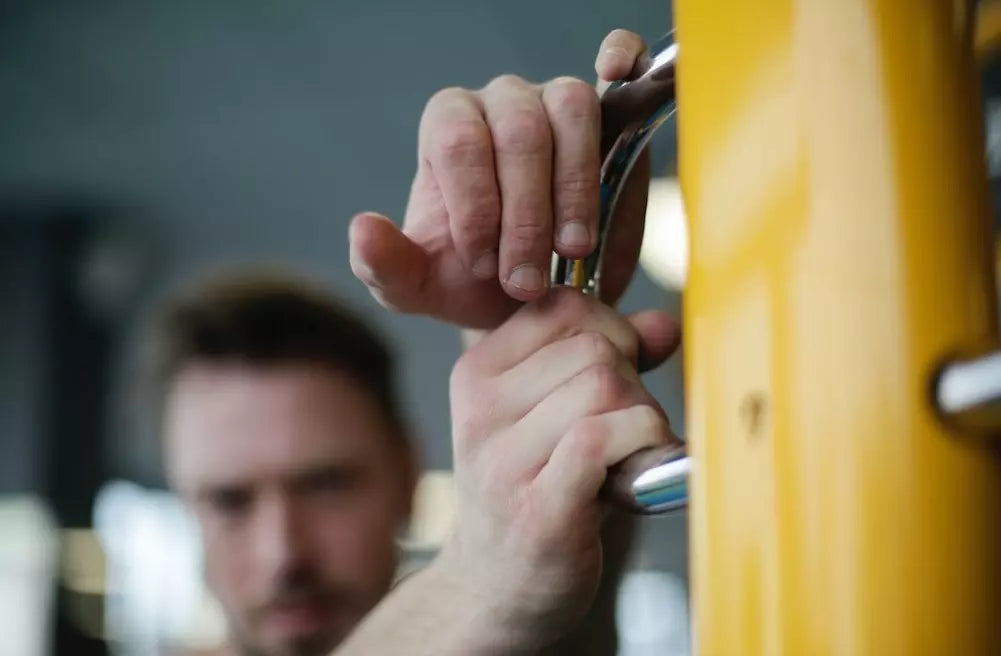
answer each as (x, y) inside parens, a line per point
(597, 634)
(431, 613)
(541, 408)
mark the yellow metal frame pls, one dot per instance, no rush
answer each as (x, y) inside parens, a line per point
(831, 157)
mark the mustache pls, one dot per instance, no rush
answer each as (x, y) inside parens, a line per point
(299, 588)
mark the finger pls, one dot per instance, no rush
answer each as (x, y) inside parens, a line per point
(572, 478)
(523, 152)
(456, 144)
(617, 56)
(596, 390)
(394, 269)
(575, 119)
(659, 336)
(565, 312)
(555, 365)
(561, 313)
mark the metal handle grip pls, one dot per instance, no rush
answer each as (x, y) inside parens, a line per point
(655, 480)
(967, 394)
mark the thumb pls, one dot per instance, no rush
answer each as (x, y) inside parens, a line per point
(617, 56)
(394, 268)
(659, 337)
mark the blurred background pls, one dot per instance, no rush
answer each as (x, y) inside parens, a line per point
(143, 143)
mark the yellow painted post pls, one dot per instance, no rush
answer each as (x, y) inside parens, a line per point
(831, 157)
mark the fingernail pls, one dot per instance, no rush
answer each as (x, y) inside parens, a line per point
(526, 277)
(574, 234)
(485, 266)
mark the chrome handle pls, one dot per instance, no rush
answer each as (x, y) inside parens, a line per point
(631, 112)
(967, 393)
(652, 481)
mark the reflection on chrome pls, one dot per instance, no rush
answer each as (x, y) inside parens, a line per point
(968, 393)
(653, 481)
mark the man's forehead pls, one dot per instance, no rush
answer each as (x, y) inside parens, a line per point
(229, 423)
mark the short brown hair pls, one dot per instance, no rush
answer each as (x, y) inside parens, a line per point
(267, 318)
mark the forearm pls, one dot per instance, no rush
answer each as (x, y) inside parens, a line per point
(597, 634)
(433, 613)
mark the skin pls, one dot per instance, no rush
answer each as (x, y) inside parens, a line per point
(547, 396)
(541, 408)
(299, 487)
(506, 174)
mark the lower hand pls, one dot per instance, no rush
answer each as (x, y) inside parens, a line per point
(541, 408)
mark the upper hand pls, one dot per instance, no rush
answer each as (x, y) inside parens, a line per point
(505, 176)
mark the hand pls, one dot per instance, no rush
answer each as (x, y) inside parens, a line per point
(541, 407)
(505, 176)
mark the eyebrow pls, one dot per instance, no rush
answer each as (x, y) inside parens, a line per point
(307, 474)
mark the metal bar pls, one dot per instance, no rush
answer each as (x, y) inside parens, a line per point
(968, 394)
(653, 481)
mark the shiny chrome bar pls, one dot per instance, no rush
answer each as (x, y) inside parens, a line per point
(651, 482)
(631, 112)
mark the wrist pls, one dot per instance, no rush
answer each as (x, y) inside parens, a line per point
(487, 622)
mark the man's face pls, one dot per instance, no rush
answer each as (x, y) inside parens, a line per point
(299, 486)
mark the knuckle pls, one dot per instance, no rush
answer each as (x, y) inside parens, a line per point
(576, 194)
(604, 388)
(597, 348)
(571, 98)
(476, 236)
(480, 223)
(444, 97)
(523, 131)
(588, 439)
(578, 183)
(507, 81)
(631, 343)
(465, 143)
(525, 236)
(647, 420)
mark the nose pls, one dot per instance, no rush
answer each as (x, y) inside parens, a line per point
(278, 535)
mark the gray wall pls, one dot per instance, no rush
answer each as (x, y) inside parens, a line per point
(252, 130)
(22, 367)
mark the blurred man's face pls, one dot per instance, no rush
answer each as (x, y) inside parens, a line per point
(299, 486)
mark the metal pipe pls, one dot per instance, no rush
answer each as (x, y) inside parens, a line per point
(968, 393)
(653, 481)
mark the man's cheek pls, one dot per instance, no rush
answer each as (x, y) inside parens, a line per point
(361, 541)
(228, 576)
